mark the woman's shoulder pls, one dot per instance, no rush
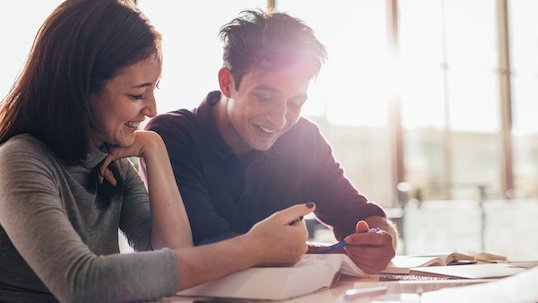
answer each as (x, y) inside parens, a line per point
(24, 143)
(26, 149)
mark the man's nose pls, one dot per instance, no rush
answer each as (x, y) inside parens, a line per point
(278, 114)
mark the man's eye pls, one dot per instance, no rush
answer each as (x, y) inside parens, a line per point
(264, 98)
(136, 97)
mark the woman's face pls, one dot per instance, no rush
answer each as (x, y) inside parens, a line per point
(125, 102)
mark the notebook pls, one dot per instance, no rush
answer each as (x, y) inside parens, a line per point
(403, 264)
(471, 271)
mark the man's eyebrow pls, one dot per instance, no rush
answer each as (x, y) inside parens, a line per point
(142, 85)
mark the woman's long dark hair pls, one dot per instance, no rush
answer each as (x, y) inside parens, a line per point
(79, 47)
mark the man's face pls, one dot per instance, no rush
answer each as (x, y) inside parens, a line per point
(266, 105)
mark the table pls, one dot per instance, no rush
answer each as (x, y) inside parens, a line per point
(517, 288)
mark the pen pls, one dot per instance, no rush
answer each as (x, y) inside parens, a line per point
(342, 243)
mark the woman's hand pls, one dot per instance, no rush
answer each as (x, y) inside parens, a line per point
(273, 241)
(281, 238)
(144, 141)
(170, 224)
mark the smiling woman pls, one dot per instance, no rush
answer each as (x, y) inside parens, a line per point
(125, 102)
(67, 128)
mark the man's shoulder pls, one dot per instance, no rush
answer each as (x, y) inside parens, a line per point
(177, 117)
(175, 123)
(304, 135)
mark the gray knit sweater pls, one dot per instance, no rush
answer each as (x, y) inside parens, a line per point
(56, 244)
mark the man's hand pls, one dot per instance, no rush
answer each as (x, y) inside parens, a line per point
(371, 251)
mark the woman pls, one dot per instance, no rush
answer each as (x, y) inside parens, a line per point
(67, 128)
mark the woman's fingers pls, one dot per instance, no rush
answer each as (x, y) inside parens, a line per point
(105, 173)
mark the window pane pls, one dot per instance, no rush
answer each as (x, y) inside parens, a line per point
(192, 49)
(421, 56)
(524, 60)
(349, 98)
(450, 96)
(472, 59)
(18, 27)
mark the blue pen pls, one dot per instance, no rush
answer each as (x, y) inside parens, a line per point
(341, 244)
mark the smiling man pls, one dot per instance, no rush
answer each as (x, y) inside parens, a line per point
(246, 152)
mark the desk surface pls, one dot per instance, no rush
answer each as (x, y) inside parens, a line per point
(518, 286)
(331, 295)
(334, 294)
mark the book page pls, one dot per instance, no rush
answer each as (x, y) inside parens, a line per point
(349, 267)
(312, 273)
(467, 258)
(471, 271)
(489, 258)
(402, 264)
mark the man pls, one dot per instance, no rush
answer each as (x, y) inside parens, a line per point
(245, 152)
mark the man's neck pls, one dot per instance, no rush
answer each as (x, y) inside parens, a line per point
(227, 130)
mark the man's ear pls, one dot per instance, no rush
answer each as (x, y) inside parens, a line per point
(226, 82)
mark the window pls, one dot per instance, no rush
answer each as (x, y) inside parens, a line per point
(192, 50)
(450, 96)
(349, 100)
(18, 34)
(524, 58)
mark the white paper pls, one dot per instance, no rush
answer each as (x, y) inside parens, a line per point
(520, 288)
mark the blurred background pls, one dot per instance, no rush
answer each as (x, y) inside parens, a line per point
(431, 106)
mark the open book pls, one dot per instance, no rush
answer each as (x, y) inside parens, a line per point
(403, 264)
(314, 272)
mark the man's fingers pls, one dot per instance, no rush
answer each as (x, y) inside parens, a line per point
(361, 227)
(369, 252)
(369, 238)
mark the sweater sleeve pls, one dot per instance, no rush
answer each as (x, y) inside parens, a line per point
(32, 215)
(339, 203)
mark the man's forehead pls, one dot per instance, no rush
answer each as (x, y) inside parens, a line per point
(295, 70)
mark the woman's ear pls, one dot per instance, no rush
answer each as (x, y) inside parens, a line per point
(226, 82)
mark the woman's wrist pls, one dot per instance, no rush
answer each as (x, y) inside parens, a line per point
(152, 144)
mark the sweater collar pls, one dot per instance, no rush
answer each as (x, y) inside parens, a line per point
(94, 156)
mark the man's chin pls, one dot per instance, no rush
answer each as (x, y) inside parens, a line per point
(263, 147)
